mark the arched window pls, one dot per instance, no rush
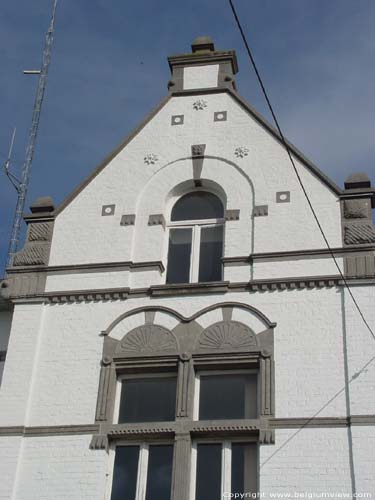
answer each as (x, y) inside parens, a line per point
(196, 231)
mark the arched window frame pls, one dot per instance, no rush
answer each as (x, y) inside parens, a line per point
(196, 226)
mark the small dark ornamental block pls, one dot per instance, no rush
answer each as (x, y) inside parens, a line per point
(108, 210)
(260, 211)
(220, 116)
(198, 150)
(283, 197)
(177, 120)
(127, 220)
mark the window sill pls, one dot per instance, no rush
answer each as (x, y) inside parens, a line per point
(189, 288)
(258, 430)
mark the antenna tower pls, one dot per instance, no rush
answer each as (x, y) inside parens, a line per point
(23, 184)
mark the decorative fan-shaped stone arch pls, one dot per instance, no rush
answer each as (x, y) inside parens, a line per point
(146, 340)
(227, 336)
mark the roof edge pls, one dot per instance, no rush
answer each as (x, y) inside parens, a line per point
(260, 119)
(296, 152)
(111, 155)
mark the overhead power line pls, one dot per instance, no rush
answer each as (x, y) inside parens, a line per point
(287, 148)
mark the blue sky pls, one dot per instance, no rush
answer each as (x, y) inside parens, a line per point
(109, 69)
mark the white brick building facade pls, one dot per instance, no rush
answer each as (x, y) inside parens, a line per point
(95, 269)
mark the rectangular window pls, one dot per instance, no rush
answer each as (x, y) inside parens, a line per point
(142, 472)
(208, 473)
(179, 255)
(159, 472)
(227, 396)
(147, 399)
(244, 460)
(211, 251)
(222, 468)
(125, 473)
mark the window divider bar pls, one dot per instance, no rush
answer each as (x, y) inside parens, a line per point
(193, 471)
(226, 468)
(142, 472)
(196, 397)
(194, 264)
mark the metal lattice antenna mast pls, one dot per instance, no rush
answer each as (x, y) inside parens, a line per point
(25, 174)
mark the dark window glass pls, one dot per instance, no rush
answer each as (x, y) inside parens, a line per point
(208, 485)
(228, 396)
(148, 400)
(198, 205)
(159, 473)
(125, 473)
(211, 251)
(244, 468)
(179, 255)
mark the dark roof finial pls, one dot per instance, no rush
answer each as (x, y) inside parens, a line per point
(357, 180)
(203, 43)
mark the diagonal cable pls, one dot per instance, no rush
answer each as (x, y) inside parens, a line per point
(286, 146)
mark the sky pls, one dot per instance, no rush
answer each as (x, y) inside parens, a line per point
(109, 69)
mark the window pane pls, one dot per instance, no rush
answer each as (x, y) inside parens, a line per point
(148, 400)
(159, 473)
(125, 473)
(244, 468)
(211, 251)
(198, 205)
(179, 255)
(208, 486)
(228, 396)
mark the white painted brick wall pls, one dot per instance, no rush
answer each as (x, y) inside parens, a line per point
(201, 77)
(308, 359)
(61, 468)
(308, 354)
(307, 460)
(361, 350)
(81, 234)
(52, 370)
(363, 439)
(20, 364)
(9, 453)
(296, 267)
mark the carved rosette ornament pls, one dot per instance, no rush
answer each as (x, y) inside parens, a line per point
(241, 152)
(151, 159)
(199, 104)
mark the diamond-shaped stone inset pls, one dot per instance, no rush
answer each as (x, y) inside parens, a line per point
(177, 120)
(220, 116)
(283, 197)
(108, 209)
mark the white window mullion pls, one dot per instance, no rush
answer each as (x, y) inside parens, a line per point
(197, 386)
(194, 266)
(193, 472)
(226, 468)
(116, 409)
(142, 472)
